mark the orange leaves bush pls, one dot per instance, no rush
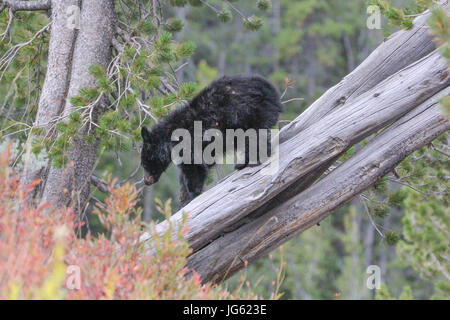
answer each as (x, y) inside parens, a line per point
(42, 258)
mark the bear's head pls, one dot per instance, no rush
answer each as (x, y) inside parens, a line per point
(153, 157)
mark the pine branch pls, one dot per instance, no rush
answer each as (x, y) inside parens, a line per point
(100, 184)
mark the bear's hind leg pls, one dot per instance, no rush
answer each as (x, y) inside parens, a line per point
(260, 156)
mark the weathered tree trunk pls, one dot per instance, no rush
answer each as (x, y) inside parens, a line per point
(227, 254)
(245, 191)
(54, 90)
(60, 52)
(17, 5)
(249, 214)
(71, 186)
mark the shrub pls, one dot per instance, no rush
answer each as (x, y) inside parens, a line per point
(42, 258)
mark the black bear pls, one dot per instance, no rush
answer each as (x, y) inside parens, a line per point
(231, 102)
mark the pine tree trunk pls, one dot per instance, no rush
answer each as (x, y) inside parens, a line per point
(92, 46)
(54, 90)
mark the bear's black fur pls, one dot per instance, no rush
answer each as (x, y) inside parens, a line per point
(234, 102)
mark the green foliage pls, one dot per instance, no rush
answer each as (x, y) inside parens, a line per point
(378, 209)
(392, 238)
(147, 27)
(174, 25)
(225, 15)
(396, 198)
(440, 28)
(178, 3)
(195, 3)
(406, 294)
(445, 103)
(21, 78)
(426, 226)
(439, 21)
(264, 5)
(396, 17)
(163, 48)
(187, 90)
(381, 186)
(185, 49)
(383, 293)
(103, 81)
(253, 23)
(205, 74)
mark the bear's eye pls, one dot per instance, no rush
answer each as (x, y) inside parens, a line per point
(150, 170)
(146, 168)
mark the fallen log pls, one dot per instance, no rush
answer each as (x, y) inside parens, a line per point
(248, 214)
(227, 254)
(245, 191)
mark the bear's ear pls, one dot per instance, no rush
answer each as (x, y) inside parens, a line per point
(145, 134)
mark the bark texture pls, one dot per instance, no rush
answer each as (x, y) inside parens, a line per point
(60, 52)
(54, 90)
(16, 5)
(71, 186)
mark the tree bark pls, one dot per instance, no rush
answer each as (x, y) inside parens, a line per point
(54, 90)
(62, 42)
(71, 186)
(36, 5)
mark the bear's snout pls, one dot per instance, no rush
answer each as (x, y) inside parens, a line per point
(149, 180)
